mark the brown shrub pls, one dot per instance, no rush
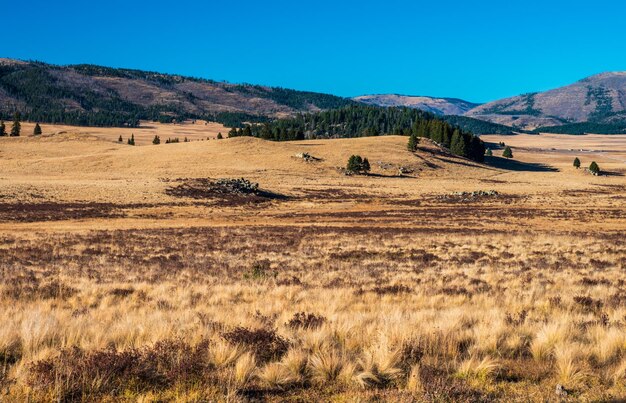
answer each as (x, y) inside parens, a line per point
(392, 289)
(516, 319)
(303, 320)
(76, 374)
(588, 303)
(264, 343)
(122, 292)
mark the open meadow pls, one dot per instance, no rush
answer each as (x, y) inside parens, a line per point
(134, 273)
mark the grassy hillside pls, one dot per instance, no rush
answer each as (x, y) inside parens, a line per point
(594, 104)
(91, 95)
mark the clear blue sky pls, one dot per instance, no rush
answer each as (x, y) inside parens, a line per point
(473, 50)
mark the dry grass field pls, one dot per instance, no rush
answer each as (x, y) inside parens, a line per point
(197, 130)
(131, 274)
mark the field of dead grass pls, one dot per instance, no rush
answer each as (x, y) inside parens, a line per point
(383, 287)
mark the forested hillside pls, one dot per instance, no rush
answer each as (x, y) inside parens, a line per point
(102, 96)
(477, 126)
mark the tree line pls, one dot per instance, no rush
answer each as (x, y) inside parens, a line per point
(365, 120)
(585, 127)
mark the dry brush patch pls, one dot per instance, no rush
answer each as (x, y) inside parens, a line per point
(311, 313)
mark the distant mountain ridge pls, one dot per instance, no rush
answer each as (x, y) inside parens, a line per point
(438, 106)
(599, 101)
(93, 95)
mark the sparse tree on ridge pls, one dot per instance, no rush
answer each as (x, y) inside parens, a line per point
(594, 168)
(508, 153)
(219, 136)
(120, 139)
(17, 127)
(37, 130)
(131, 140)
(357, 164)
(156, 140)
(576, 163)
(3, 129)
(354, 163)
(489, 153)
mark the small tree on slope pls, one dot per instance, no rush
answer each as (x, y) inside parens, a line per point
(508, 153)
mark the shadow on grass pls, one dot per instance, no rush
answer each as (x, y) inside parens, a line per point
(513, 165)
(428, 163)
(388, 176)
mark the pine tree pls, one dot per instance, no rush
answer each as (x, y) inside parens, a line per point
(475, 148)
(413, 141)
(17, 127)
(186, 140)
(3, 129)
(436, 134)
(37, 130)
(447, 138)
(488, 153)
(354, 163)
(576, 163)
(156, 140)
(508, 153)
(219, 136)
(457, 144)
(120, 139)
(131, 140)
(594, 168)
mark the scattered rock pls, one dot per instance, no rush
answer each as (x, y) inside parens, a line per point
(307, 157)
(402, 170)
(469, 196)
(235, 191)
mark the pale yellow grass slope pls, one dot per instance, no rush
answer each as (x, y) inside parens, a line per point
(81, 158)
(193, 130)
(77, 165)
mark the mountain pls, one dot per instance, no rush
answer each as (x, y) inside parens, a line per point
(594, 103)
(103, 96)
(438, 106)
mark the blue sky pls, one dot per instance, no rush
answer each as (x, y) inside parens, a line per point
(478, 51)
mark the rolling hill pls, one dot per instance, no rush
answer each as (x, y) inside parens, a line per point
(438, 106)
(103, 96)
(596, 102)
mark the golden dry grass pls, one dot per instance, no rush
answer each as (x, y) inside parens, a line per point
(379, 287)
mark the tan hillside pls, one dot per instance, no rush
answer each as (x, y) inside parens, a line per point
(599, 98)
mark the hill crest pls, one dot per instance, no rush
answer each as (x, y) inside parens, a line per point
(438, 106)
